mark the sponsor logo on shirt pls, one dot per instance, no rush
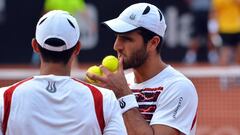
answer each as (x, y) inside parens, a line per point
(178, 106)
(51, 87)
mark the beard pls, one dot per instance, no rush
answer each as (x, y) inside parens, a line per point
(136, 59)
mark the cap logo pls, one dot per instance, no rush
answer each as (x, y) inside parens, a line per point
(160, 14)
(147, 9)
(132, 16)
(71, 23)
(42, 20)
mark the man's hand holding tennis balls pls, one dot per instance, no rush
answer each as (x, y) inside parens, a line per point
(112, 76)
(110, 62)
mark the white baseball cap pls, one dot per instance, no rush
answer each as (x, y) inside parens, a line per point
(57, 24)
(138, 15)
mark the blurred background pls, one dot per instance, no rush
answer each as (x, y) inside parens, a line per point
(202, 41)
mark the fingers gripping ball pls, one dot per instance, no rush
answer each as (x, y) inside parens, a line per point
(110, 62)
(94, 70)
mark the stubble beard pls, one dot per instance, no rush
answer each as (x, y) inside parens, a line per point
(136, 59)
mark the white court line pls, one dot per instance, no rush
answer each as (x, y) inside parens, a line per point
(231, 71)
(203, 72)
(8, 74)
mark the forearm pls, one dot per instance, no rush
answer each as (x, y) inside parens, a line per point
(136, 124)
(238, 2)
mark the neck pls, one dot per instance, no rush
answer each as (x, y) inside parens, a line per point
(55, 69)
(149, 69)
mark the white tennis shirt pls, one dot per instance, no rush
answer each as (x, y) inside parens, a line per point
(169, 98)
(59, 105)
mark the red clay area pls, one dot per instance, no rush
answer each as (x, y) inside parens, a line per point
(219, 105)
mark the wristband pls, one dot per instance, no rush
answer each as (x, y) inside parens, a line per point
(127, 102)
(213, 26)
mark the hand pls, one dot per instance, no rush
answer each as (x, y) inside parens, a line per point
(115, 81)
(215, 39)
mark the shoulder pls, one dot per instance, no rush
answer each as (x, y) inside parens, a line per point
(9, 90)
(15, 85)
(2, 91)
(175, 77)
(180, 85)
(95, 89)
(184, 87)
(175, 83)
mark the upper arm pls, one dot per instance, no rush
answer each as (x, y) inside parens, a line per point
(164, 130)
(176, 109)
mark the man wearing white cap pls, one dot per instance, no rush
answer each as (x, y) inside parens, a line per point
(155, 98)
(53, 103)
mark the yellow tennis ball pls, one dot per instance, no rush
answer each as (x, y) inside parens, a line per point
(110, 62)
(94, 70)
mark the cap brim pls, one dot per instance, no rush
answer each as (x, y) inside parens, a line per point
(119, 26)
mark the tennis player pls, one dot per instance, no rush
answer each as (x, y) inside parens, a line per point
(53, 103)
(155, 98)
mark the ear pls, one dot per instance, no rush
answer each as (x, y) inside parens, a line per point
(153, 43)
(35, 45)
(77, 48)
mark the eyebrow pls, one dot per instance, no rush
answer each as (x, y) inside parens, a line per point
(125, 37)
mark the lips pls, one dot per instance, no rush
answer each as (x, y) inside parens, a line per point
(120, 56)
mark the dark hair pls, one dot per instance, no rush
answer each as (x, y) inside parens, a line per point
(56, 57)
(148, 35)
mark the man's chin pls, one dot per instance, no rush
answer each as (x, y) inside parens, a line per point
(126, 66)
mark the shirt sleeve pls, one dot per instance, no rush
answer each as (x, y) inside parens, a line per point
(177, 106)
(113, 116)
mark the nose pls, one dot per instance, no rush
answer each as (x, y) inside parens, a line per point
(117, 45)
